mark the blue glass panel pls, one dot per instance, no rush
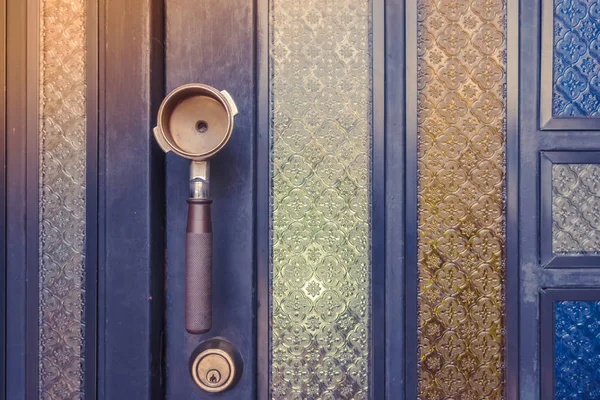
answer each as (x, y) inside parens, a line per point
(576, 89)
(577, 350)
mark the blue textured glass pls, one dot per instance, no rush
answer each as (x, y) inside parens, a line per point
(576, 89)
(577, 350)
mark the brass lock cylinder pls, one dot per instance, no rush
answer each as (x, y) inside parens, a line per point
(216, 365)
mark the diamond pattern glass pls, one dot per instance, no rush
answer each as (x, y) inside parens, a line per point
(62, 197)
(461, 206)
(576, 80)
(320, 58)
(576, 209)
(576, 350)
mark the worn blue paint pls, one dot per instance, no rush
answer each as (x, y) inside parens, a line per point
(577, 350)
(565, 134)
(130, 203)
(576, 58)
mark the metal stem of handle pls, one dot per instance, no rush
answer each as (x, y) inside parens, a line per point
(198, 267)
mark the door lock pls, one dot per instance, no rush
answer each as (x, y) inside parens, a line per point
(216, 365)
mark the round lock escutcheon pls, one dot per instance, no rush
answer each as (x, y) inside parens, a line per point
(215, 365)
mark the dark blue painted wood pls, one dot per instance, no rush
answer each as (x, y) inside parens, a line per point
(378, 205)
(547, 257)
(394, 200)
(512, 200)
(547, 342)
(533, 94)
(18, 336)
(32, 200)
(213, 42)
(131, 187)
(3, 187)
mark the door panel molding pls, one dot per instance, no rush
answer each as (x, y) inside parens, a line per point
(19, 337)
(395, 199)
(535, 138)
(131, 200)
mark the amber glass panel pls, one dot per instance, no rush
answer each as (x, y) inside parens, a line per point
(62, 197)
(461, 238)
(320, 61)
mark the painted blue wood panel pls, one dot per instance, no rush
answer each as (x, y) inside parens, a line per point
(576, 59)
(571, 137)
(577, 350)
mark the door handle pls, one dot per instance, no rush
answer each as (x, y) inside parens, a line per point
(195, 121)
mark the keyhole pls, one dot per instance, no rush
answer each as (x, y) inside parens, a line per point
(201, 126)
(213, 376)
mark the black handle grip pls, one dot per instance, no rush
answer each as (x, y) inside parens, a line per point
(198, 267)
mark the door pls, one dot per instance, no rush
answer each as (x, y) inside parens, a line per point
(408, 205)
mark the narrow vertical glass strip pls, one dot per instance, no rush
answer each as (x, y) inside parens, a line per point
(62, 197)
(461, 198)
(320, 91)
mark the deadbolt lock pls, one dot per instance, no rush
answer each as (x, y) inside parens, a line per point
(216, 365)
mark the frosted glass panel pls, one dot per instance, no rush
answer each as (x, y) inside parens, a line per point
(576, 209)
(320, 59)
(62, 197)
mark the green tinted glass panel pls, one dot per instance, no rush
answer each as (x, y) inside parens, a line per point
(320, 58)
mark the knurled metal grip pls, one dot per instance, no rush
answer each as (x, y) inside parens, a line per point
(198, 268)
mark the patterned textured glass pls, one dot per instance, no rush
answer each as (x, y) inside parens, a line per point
(62, 197)
(577, 350)
(576, 208)
(461, 206)
(320, 59)
(576, 58)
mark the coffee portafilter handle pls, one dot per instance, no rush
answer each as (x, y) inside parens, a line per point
(198, 253)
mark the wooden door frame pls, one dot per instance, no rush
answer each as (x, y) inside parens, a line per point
(124, 200)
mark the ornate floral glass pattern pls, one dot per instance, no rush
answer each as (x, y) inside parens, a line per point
(62, 197)
(576, 58)
(461, 235)
(320, 60)
(576, 208)
(576, 350)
